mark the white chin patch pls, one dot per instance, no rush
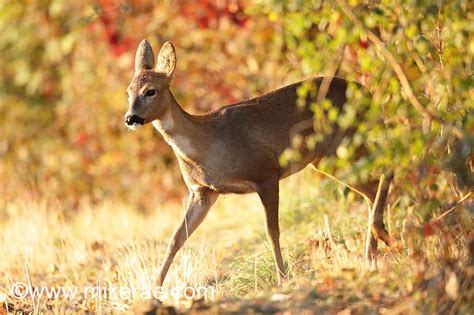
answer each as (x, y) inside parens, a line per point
(135, 126)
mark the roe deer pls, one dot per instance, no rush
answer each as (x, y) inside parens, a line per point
(236, 148)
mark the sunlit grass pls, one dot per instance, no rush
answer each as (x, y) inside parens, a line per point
(114, 244)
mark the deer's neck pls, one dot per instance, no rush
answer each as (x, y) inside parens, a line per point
(177, 128)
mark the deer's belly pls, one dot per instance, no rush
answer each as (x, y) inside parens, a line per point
(235, 187)
(218, 179)
(220, 184)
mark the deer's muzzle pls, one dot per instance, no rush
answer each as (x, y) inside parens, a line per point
(134, 119)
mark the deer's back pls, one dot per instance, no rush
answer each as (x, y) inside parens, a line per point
(271, 120)
(277, 108)
(248, 137)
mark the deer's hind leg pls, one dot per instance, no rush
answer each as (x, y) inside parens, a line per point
(375, 193)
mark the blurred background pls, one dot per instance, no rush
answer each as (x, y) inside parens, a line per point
(83, 199)
(65, 66)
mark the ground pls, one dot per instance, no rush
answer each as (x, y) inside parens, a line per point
(112, 245)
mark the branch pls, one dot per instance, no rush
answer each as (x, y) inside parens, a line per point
(453, 207)
(380, 45)
(367, 199)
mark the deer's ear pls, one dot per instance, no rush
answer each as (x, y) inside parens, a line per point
(144, 58)
(166, 62)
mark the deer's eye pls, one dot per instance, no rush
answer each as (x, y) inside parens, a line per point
(150, 92)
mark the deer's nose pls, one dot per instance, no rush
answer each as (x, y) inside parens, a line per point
(132, 119)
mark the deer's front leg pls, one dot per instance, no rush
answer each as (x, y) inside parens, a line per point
(199, 203)
(269, 195)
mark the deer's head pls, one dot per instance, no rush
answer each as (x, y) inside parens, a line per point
(149, 95)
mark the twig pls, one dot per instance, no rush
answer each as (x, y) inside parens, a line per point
(331, 72)
(98, 300)
(30, 288)
(255, 274)
(379, 44)
(367, 199)
(460, 201)
(328, 231)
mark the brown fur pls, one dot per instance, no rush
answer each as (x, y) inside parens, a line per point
(235, 149)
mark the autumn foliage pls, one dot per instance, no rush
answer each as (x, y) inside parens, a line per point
(65, 66)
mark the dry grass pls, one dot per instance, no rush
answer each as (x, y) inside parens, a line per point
(115, 245)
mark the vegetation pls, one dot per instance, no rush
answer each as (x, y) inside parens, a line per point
(84, 201)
